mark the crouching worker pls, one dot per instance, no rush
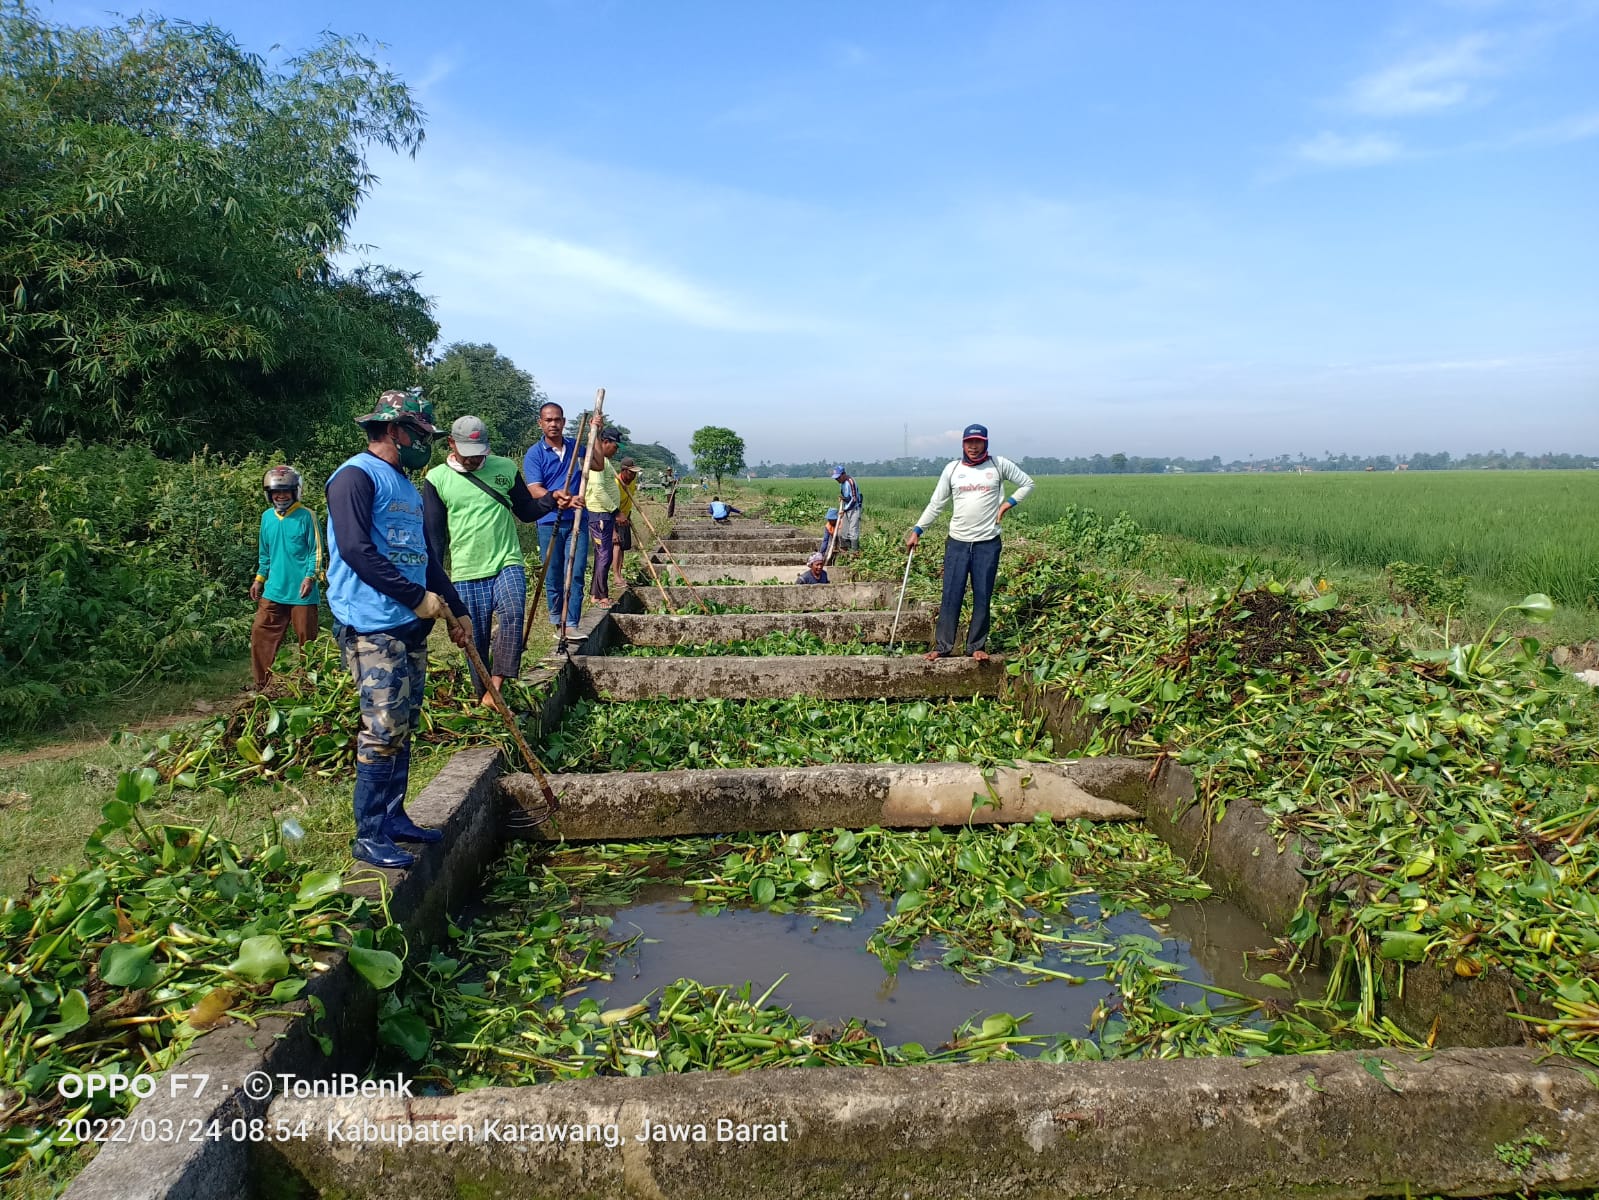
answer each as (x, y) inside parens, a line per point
(386, 593)
(721, 511)
(815, 571)
(830, 530)
(289, 559)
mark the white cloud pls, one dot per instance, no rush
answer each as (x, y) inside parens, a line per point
(1441, 78)
(1345, 150)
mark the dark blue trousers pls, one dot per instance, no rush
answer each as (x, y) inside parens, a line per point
(980, 561)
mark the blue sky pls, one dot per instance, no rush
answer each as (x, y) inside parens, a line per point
(1179, 228)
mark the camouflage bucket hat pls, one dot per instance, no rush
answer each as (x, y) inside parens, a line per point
(407, 407)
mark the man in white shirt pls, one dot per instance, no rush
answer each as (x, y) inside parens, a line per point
(975, 486)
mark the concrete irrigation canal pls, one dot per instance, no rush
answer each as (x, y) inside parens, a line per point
(1347, 1123)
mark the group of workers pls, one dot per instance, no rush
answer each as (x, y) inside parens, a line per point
(387, 540)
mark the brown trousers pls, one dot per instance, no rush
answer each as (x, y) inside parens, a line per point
(272, 621)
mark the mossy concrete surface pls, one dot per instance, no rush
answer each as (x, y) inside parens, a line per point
(821, 676)
(625, 805)
(1338, 1127)
(751, 558)
(915, 625)
(703, 529)
(786, 597)
(742, 573)
(803, 546)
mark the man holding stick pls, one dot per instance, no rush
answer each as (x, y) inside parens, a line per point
(548, 467)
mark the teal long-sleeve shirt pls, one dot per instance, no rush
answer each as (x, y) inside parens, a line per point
(290, 552)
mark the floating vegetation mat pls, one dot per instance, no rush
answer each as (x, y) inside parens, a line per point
(665, 735)
(506, 1004)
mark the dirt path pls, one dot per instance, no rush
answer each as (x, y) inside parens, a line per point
(73, 747)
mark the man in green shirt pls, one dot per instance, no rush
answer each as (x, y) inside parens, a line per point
(470, 505)
(288, 561)
(602, 496)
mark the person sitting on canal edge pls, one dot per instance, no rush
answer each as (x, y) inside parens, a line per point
(815, 570)
(849, 510)
(602, 494)
(288, 561)
(975, 486)
(720, 511)
(386, 592)
(471, 503)
(829, 530)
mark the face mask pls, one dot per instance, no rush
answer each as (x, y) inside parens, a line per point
(417, 455)
(283, 503)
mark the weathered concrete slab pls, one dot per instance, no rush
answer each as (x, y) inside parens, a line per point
(461, 800)
(823, 676)
(756, 558)
(744, 573)
(625, 805)
(1202, 1129)
(915, 626)
(707, 528)
(782, 598)
(789, 546)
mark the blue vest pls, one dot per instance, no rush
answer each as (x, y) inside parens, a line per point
(397, 535)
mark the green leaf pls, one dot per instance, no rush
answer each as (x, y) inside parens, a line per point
(74, 1014)
(316, 885)
(1322, 603)
(1537, 607)
(261, 958)
(117, 813)
(1272, 980)
(408, 1031)
(123, 964)
(287, 989)
(1401, 946)
(763, 890)
(380, 968)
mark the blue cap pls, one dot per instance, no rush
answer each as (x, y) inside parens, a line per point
(838, 470)
(832, 514)
(977, 431)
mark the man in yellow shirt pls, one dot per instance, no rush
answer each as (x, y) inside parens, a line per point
(627, 481)
(602, 496)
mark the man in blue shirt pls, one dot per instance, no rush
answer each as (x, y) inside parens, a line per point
(720, 511)
(549, 469)
(849, 510)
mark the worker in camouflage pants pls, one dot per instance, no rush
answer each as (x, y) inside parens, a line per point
(386, 593)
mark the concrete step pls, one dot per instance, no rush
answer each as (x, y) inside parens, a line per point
(753, 558)
(777, 573)
(803, 546)
(824, 676)
(832, 597)
(915, 626)
(700, 530)
(622, 805)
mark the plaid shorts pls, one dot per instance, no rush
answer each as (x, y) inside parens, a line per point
(503, 596)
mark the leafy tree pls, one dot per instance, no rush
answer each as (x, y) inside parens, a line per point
(1118, 462)
(475, 379)
(717, 451)
(170, 213)
(652, 456)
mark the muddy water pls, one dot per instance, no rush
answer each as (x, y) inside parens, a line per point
(831, 976)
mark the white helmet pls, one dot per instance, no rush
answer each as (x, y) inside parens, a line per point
(281, 479)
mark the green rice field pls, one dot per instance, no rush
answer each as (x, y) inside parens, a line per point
(1509, 532)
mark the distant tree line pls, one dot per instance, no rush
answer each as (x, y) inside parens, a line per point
(1132, 464)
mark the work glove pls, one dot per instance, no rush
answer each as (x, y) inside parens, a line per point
(432, 608)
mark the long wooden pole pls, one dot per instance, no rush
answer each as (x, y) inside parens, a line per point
(649, 564)
(661, 542)
(551, 804)
(571, 550)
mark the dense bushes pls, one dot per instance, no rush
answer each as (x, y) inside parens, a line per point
(117, 567)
